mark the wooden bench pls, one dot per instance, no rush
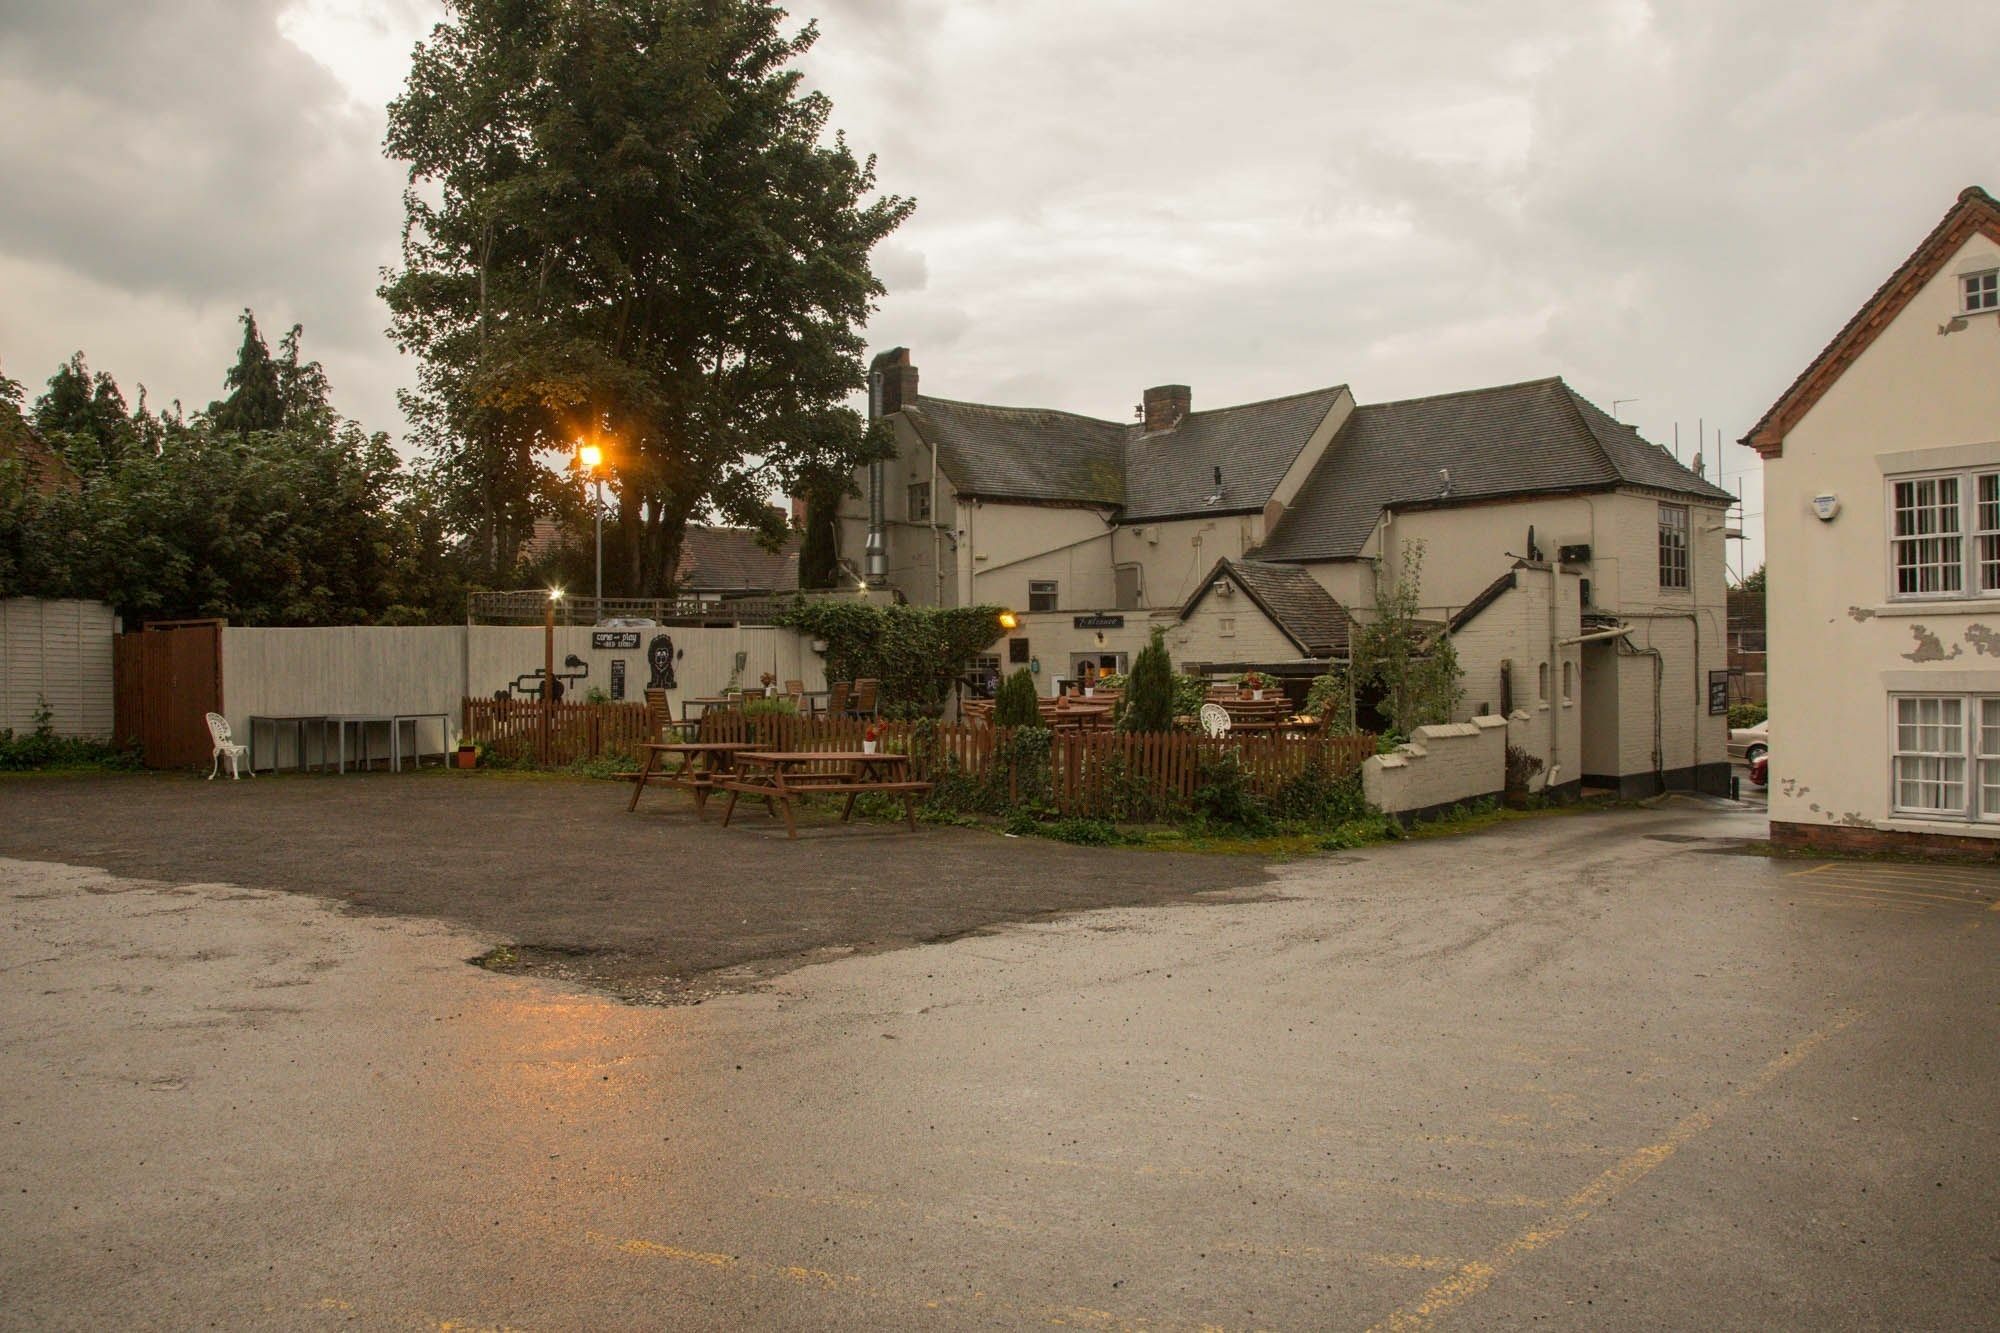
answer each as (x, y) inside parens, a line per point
(714, 767)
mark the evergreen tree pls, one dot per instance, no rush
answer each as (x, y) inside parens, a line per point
(1149, 689)
(1018, 702)
(83, 416)
(255, 401)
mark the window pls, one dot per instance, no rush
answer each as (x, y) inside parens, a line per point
(1673, 546)
(1126, 586)
(1931, 519)
(1042, 595)
(1980, 291)
(1017, 651)
(1542, 683)
(920, 502)
(1929, 760)
(1569, 682)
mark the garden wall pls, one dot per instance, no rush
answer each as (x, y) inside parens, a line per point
(1440, 767)
(59, 651)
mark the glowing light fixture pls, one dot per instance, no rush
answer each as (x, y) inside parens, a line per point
(590, 456)
(1008, 620)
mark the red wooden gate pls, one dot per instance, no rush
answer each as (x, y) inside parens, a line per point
(167, 677)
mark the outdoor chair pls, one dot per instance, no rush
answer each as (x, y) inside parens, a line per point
(836, 698)
(865, 692)
(1214, 720)
(218, 731)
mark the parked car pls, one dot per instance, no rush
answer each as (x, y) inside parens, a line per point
(1746, 743)
(1760, 768)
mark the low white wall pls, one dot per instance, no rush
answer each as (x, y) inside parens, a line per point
(1440, 766)
(431, 669)
(343, 669)
(58, 651)
(704, 660)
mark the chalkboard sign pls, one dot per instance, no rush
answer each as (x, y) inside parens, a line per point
(618, 676)
(1718, 692)
(614, 638)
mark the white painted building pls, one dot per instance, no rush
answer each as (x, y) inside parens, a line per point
(1094, 532)
(1882, 519)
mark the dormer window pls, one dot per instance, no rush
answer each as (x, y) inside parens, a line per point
(1980, 292)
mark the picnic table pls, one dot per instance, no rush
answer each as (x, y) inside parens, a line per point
(703, 767)
(784, 776)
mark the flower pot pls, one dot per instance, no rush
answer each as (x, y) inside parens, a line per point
(1089, 690)
(467, 757)
(819, 645)
(770, 691)
(1257, 696)
(868, 747)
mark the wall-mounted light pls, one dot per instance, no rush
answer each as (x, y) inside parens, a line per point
(1008, 620)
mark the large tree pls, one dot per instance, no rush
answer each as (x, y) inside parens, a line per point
(626, 221)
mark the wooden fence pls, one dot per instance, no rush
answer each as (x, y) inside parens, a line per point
(1090, 772)
(564, 733)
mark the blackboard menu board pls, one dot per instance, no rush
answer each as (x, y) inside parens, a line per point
(1718, 692)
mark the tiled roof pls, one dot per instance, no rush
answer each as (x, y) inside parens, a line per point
(1291, 597)
(1516, 439)
(1038, 455)
(717, 559)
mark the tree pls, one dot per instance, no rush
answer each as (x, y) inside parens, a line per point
(1017, 703)
(83, 416)
(1149, 689)
(623, 223)
(1410, 662)
(256, 399)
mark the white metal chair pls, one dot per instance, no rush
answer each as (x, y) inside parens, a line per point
(1214, 720)
(218, 731)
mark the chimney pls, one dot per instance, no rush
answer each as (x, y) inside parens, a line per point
(798, 510)
(1166, 404)
(897, 381)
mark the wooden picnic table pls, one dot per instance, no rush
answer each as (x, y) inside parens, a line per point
(704, 765)
(783, 776)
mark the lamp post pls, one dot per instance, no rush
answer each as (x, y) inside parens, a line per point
(591, 458)
(549, 670)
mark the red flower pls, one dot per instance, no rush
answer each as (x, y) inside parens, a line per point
(874, 732)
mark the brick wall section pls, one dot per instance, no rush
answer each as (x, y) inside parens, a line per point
(1849, 839)
(1441, 766)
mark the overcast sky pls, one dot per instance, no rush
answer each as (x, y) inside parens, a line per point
(1675, 204)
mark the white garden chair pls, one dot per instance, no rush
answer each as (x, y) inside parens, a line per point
(218, 731)
(1214, 720)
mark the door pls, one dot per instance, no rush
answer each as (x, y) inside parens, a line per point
(167, 678)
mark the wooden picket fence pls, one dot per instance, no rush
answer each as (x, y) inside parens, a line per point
(524, 731)
(1090, 772)
(1087, 769)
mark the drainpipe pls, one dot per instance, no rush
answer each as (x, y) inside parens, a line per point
(1555, 677)
(875, 555)
(1618, 633)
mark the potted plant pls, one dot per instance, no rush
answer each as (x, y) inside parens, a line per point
(871, 738)
(468, 754)
(770, 684)
(1253, 681)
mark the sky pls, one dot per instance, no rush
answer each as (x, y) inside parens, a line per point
(1672, 205)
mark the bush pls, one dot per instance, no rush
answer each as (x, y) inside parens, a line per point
(1148, 704)
(1222, 794)
(1082, 832)
(779, 705)
(1747, 715)
(1316, 796)
(43, 749)
(1018, 702)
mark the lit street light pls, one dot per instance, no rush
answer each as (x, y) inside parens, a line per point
(590, 459)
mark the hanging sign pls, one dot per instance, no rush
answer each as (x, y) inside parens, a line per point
(1098, 621)
(614, 638)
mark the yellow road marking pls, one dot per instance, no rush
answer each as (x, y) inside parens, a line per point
(1857, 905)
(1862, 886)
(1058, 1316)
(1821, 868)
(1478, 1275)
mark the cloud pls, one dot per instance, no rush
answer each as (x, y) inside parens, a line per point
(1674, 203)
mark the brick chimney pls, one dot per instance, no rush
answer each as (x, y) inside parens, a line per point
(896, 378)
(1166, 404)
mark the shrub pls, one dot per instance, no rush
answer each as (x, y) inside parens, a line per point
(1747, 715)
(1148, 704)
(1316, 796)
(779, 705)
(1222, 794)
(1082, 832)
(42, 748)
(1017, 703)
(1521, 768)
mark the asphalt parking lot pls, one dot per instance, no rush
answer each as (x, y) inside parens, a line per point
(1597, 1070)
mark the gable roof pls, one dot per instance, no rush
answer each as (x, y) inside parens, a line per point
(1048, 457)
(1538, 437)
(1290, 598)
(1488, 595)
(1976, 212)
(717, 559)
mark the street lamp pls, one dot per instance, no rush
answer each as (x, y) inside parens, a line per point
(591, 459)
